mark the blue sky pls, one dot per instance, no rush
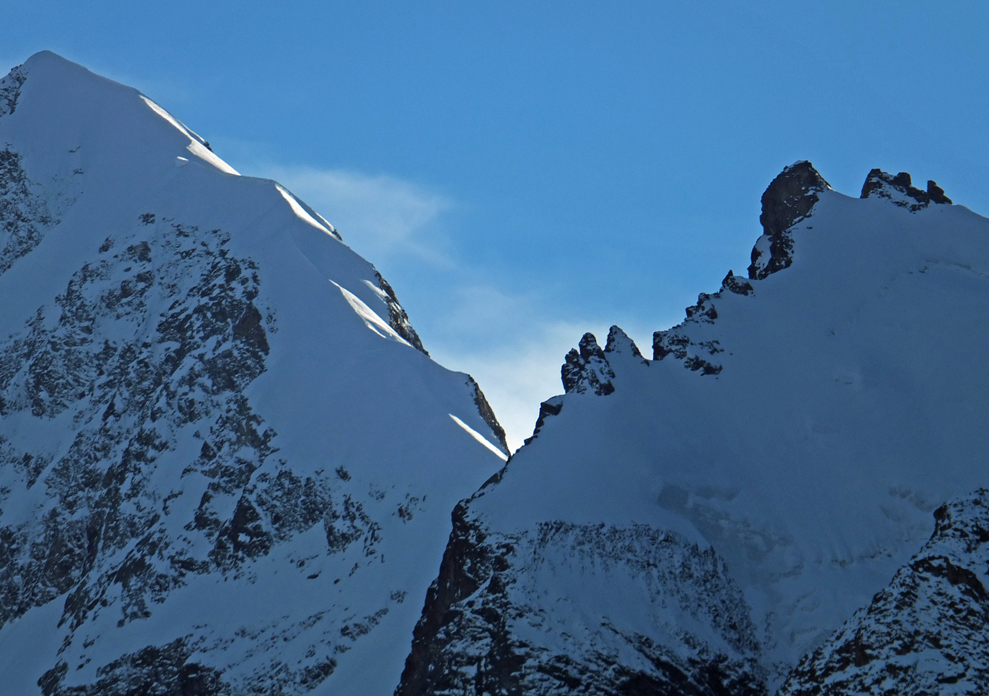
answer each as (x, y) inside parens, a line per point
(523, 172)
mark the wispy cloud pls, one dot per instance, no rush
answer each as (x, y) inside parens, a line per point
(517, 374)
(378, 215)
(511, 340)
(514, 346)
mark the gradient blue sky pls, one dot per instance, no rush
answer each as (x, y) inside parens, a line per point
(523, 172)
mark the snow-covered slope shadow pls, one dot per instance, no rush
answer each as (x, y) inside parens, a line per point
(698, 522)
(227, 462)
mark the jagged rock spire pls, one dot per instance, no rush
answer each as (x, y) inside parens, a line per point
(620, 343)
(789, 198)
(587, 368)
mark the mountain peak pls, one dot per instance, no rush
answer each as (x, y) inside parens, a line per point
(47, 58)
(587, 369)
(205, 397)
(789, 199)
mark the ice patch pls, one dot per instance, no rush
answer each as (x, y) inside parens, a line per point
(300, 211)
(480, 438)
(373, 321)
(195, 146)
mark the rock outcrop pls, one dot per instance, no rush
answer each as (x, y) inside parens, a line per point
(926, 632)
(900, 191)
(789, 199)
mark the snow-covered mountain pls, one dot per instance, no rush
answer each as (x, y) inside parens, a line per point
(228, 465)
(699, 522)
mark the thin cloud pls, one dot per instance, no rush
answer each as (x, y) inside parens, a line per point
(379, 216)
(514, 347)
(510, 340)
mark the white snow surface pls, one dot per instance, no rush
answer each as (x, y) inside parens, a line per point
(852, 402)
(340, 388)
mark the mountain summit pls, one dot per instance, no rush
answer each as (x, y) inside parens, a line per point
(228, 463)
(700, 522)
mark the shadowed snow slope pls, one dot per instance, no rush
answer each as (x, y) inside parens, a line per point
(699, 522)
(228, 465)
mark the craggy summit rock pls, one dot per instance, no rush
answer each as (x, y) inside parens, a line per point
(587, 369)
(789, 199)
(900, 190)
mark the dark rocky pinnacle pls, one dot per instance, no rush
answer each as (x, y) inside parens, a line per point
(789, 198)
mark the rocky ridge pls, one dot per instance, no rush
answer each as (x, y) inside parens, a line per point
(900, 191)
(536, 597)
(926, 632)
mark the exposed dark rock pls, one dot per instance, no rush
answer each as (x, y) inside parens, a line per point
(487, 413)
(704, 310)
(191, 334)
(468, 640)
(900, 190)
(10, 90)
(293, 504)
(790, 198)
(679, 342)
(676, 342)
(937, 193)
(250, 329)
(128, 397)
(398, 318)
(735, 284)
(926, 629)
(24, 215)
(587, 369)
(619, 342)
(703, 366)
(465, 566)
(153, 671)
(550, 407)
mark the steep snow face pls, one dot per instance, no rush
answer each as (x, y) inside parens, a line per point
(926, 632)
(801, 425)
(227, 462)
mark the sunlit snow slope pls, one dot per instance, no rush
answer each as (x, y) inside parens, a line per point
(227, 463)
(698, 522)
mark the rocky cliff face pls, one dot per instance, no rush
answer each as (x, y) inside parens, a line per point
(487, 626)
(788, 200)
(681, 531)
(227, 461)
(926, 632)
